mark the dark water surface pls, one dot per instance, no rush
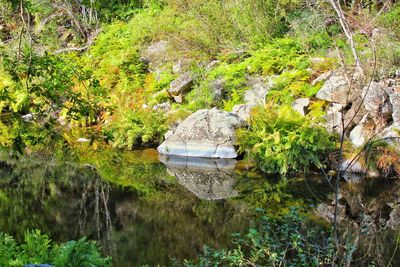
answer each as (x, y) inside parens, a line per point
(139, 210)
(142, 209)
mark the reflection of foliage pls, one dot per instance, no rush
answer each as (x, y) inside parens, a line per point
(274, 197)
(274, 242)
(67, 200)
(38, 248)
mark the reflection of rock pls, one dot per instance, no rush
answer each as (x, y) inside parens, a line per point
(208, 179)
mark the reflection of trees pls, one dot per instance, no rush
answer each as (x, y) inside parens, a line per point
(68, 201)
(41, 194)
(101, 216)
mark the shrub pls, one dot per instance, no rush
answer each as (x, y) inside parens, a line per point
(38, 248)
(280, 141)
(138, 128)
(274, 242)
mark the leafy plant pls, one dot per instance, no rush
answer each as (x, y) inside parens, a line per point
(274, 242)
(138, 127)
(38, 249)
(280, 140)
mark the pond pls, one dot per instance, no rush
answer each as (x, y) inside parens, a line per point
(142, 208)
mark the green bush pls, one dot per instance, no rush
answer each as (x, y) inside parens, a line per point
(274, 242)
(38, 249)
(281, 141)
(138, 128)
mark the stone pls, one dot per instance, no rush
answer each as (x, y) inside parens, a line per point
(333, 122)
(253, 97)
(218, 88)
(27, 117)
(259, 88)
(155, 54)
(376, 100)
(394, 98)
(335, 89)
(352, 166)
(391, 135)
(212, 65)
(165, 107)
(180, 86)
(82, 140)
(360, 134)
(327, 212)
(205, 133)
(243, 111)
(321, 78)
(208, 179)
(300, 105)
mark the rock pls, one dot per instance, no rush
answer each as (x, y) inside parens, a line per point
(300, 105)
(352, 166)
(360, 134)
(205, 133)
(208, 179)
(218, 87)
(394, 218)
(243, 111)
(376, 101)
(180, 86)
(82, 140)
(394, 98)
(335, 89)
(333, 121)
(391, 135)
(212, 65)
(259, 88)
(27, 117)
(253, 97)
(317, 60)
(155, 55)
(327, 212)
(321, 78)
(165, 107)
(177, 68)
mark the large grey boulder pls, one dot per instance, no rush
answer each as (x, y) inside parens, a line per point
(180, 86)
(205, 133)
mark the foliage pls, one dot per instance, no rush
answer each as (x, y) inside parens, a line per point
(38, 249)
(39, 87)
(283, 61)
(274, 242)
(281, 141)
(135, 128)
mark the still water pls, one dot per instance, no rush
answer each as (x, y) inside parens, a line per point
(141, 208)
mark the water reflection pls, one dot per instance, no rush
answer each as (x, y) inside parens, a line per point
(208, 179)
(69, 200)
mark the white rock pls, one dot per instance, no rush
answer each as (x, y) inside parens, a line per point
(300, 105)
(205, 133)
